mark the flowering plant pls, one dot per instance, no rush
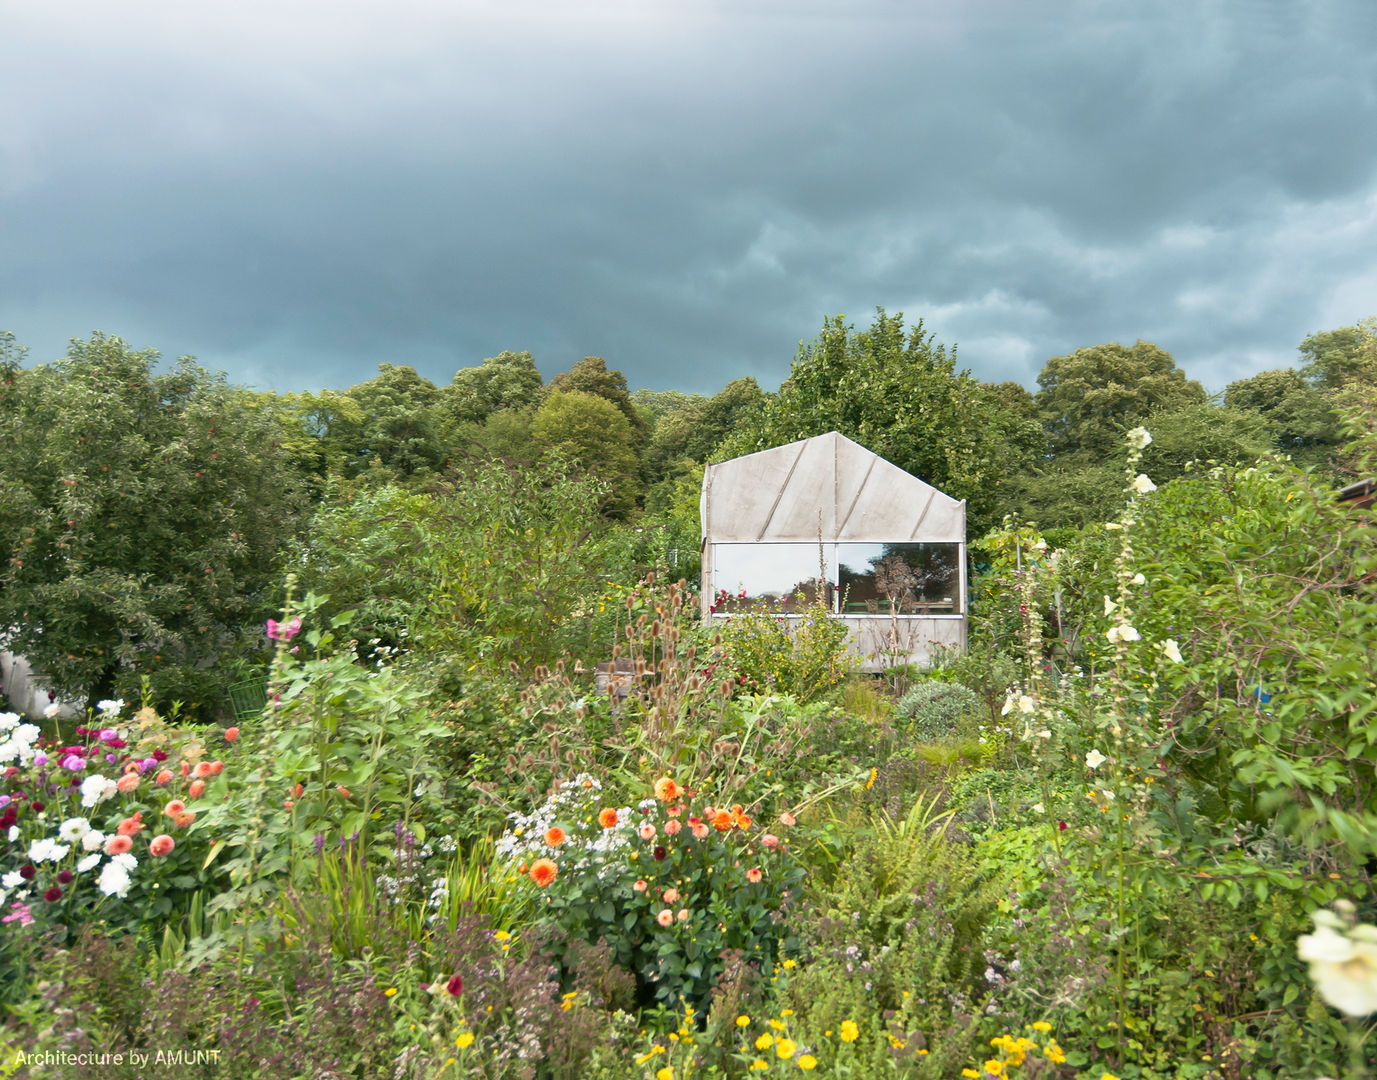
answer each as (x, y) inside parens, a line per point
(98, 822)
(669, 883)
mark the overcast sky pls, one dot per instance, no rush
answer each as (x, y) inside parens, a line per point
(296, 190)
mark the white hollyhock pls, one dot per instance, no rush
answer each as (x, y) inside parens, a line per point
(1343, 963)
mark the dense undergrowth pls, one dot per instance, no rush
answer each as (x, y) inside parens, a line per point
(1089, 846)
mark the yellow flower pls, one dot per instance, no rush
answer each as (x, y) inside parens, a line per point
(786, 1012)
(778, 1025)
(666, 1073)
(807, 1061)
(970, 1074)
(758, 1064)
(765, 1041)
(502, 935)
(465, 1040)
(1109, 1076)
(788, 964)
(742, 1021)
(849, 1031)
(1042, 1025)
(994, 1068)
(784, 1048)
(390, 991)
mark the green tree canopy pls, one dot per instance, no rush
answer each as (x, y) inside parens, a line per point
(141, 517)
(898, 393)
(1089, 397)
(590, 430)
(509, 380)
(591, 376)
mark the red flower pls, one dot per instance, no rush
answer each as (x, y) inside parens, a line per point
(455, 986)
(660, 854)
(64, 877)
(52, 895)
(27, 871)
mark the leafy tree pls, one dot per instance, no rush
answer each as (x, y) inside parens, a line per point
(591, 431)
(1088, 398)
(469, 568)
(142, 515)
(509, 380)
(655, 404)
(1205, 432)
(590, 376)
(900, 395)
(1306, 425)
(695, 429)
(1335, 357)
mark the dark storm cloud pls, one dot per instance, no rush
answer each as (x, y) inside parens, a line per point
(296, 192)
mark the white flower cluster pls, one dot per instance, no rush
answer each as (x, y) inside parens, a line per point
(96, 789)
(18, 739)
(113, 880)
(574, 808)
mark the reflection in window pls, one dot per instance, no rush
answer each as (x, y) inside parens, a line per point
(775, 577)
(906, 579)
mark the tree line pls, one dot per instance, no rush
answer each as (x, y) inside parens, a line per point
(149, 514)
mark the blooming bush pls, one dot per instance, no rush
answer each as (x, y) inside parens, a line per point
(669, 883)
(100, 828)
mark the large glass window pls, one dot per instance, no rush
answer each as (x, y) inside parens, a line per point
(775, 577)
(906, 579)
(860, 579)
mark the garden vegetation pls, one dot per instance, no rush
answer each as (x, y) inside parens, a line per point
(1128, 835)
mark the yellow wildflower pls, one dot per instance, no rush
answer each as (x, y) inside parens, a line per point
(849, 1031)
(765, 1041)
(742, 1021)
(784, 1048)
(807, 1061)
(1042, 1025)
(390, 991)
(667, 1073)
(465, 1040)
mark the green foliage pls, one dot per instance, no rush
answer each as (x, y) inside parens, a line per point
(467, 568)
(342, 751)
(898, 394)
(592, 432)
(669, 884)
(803, 655)
(1092, 395)
(142, 517)
(508, 381)
(937, 710)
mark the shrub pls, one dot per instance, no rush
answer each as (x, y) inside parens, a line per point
(935, 710)
(670, 885)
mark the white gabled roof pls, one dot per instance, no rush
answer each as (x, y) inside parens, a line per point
(828, 481)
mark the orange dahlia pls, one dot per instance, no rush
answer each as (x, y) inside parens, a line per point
(607, 817)
(544, 871)
(554, 836)
(666, 790)
(723, 821)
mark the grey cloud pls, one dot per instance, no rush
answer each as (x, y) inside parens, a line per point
(688, 191)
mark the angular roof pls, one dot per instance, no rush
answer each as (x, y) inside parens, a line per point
(828, 482)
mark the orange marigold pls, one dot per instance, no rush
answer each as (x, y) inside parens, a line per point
(554, 836)
(544, 871)
(666, 790)
(607, 817)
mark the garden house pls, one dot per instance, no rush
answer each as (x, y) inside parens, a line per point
(888, 550)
